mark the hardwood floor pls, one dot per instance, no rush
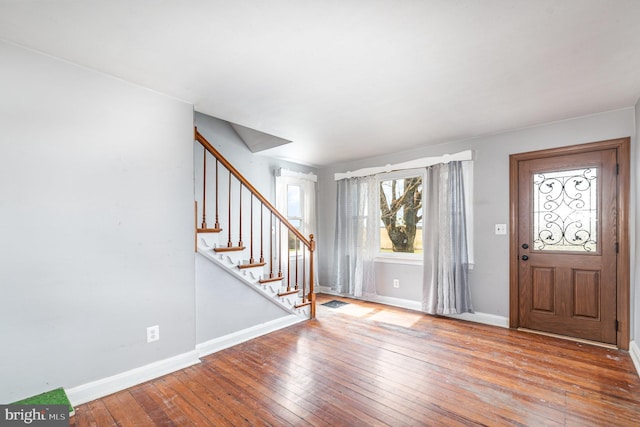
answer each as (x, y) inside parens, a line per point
(366, 364)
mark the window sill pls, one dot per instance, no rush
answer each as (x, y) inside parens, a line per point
(399, 259)
(405, 260)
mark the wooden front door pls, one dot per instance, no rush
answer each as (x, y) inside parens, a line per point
(566, 243)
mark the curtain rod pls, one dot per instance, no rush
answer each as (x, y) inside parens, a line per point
(286, 172)
(411, 164)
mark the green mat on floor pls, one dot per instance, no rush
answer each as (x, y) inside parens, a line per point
(53, 397)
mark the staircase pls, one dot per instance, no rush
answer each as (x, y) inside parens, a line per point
(250, 238)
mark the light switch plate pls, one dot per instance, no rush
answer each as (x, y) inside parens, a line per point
(501, 229)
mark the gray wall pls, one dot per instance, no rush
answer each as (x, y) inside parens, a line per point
(490, 276)
(224, 305)
(96, 222)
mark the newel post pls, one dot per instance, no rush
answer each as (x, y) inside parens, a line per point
(312, 294)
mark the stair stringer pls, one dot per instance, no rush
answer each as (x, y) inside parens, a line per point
(229, 262)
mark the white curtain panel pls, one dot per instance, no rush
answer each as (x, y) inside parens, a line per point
(446, 258)
(355, 244)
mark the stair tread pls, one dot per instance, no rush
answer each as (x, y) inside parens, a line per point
(270, 279)
(255, 264)
(209, 230)
(302, 304)
(291, 292)
(229, 249)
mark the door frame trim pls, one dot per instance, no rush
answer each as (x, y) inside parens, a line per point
(623, 148)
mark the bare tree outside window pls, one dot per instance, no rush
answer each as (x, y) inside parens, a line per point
(401, 213)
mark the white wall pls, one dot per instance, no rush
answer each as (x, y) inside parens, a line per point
(96, 217)
(490, 276)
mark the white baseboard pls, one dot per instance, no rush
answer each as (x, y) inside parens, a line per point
(484, 318)
(105, 386)
(634, 351)
(217, 344)
(396, 302)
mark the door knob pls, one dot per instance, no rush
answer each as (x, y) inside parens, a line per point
(525, 257)
(525, 246)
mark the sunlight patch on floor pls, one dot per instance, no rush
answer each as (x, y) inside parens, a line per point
(404, 319)
(355, 310)
(379, 315)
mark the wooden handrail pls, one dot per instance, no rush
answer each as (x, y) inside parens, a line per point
(310, 244)
(207, 145)
(204, 190)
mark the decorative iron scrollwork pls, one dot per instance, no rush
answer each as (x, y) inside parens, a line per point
(565, 211)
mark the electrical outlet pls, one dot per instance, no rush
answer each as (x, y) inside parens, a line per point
(153, 333)
(396, 283)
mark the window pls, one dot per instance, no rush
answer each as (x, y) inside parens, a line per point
(294, 211)
(295, 199)
(400, 201)
(401, 178)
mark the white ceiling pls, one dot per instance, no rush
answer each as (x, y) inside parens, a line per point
(346, 79)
